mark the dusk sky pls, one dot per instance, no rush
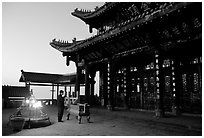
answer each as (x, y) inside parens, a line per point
(27, 29)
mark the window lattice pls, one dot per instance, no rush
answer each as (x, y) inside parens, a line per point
(166, 63)
(195, 80)
(152, 81)
(150, 66)
(184, 82)
(145, 83)
(167, 84)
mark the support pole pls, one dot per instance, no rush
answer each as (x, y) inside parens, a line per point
(110, 85)
(92, 74)
(65, 90)
(70, 90)
(53, 89)
(57, 90)
(128, 87)
(87, 84)
(77, 86)
(140, 74)
(176, 80)
(103, 85)
(159, 111)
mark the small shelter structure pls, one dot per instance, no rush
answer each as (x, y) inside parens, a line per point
(53, 80)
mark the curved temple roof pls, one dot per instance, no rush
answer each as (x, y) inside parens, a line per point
(128, 25)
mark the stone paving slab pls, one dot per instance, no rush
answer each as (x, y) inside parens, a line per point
(113, 123)
(190, 121)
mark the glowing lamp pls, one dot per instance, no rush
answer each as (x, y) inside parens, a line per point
(27, 101)
(33, 101)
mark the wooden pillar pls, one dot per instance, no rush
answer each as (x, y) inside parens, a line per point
(74, 92)
(177, 84)
(53, 89)
(140, 74)
(57, 90)
(103, 85)
(70, 90)
(101, 88)
(77, 86)
(87, 84)
(92, 82)
(127, 90)
(110, 85)
(65, 91)
(159, 111)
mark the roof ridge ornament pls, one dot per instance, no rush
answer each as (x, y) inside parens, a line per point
(82, 11)
(74, 40)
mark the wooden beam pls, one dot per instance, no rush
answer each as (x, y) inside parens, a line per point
(40, 84)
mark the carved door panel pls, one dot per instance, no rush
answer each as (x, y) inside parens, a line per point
(167, 95)
(121, 88)
(148, 91)
(167, 85)
(191, 96)
(135, 94)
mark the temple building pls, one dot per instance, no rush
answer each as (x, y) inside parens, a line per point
(148, 54)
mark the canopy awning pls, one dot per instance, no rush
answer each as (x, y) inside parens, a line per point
(34, 77)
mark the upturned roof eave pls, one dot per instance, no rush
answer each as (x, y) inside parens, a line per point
(86, 16)
(64, 47)
(117, 31)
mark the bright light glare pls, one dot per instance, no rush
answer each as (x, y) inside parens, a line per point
(33, 101)
(37, 104)
(27, 101)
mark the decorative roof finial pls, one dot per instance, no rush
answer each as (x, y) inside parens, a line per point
(74, 40)
(96, 8)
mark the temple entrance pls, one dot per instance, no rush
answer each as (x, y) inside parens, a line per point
(168, 85)
(136, 91)
(135, 87)
(148, 91)
(191, 92)
(121, 88)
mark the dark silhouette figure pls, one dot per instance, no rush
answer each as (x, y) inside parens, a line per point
(60, 105)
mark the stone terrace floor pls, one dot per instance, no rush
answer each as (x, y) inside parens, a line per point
(112, 123)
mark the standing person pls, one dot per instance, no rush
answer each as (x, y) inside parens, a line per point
(67, 105)
(60, 105)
